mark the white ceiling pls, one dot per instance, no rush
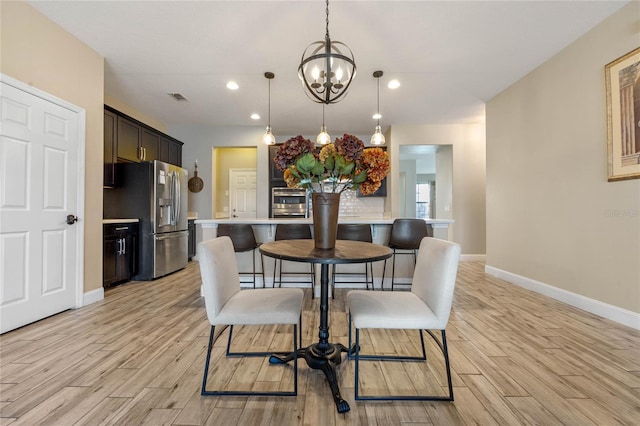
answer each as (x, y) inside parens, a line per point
(450, 56)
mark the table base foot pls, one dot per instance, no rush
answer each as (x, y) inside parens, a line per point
(325, 358)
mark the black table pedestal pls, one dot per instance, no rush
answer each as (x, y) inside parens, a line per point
(321, 360)
(323, 355)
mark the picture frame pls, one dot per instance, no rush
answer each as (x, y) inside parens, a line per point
(622, 79)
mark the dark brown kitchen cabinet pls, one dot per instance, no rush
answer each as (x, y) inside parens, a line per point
(127, 140)
(136, 143)
(170, 151)
(191, 249)
(110, 148)
(119, 251)
(129, 135)
(150, 143)
(276, 177)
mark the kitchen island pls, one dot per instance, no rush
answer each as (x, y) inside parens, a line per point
(265, 228)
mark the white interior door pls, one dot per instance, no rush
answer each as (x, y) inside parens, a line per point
(242, 193)
(41, 149)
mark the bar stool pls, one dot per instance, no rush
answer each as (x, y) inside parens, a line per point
(353, 232)
(405, 238)
(243, 240)
(293, 231)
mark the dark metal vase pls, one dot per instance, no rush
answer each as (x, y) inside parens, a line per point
(326, 206)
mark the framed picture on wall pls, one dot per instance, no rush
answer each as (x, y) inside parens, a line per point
(622, 78)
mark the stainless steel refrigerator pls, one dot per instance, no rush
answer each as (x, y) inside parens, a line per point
(156, 194)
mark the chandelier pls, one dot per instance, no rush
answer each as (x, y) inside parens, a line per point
(327, 68)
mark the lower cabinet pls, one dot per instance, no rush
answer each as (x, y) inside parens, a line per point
(192, 239)
(120, 258)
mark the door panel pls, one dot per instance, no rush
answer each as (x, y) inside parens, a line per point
(242, 193)
(39, 163)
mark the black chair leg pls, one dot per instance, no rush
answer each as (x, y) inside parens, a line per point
(354, 353)
(297, 336)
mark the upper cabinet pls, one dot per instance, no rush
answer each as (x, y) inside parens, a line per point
(127, 140)
(150, 143)
(171, 151)
(110, 148)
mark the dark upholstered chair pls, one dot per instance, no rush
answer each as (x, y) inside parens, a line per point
(405, 238)
(354, 232)
(293, 231)
(243, 240)
(426, 307)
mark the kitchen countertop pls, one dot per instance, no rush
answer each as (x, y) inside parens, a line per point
(107, 221)
(341, 219)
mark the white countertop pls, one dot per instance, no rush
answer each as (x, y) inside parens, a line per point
(341, 219)
(107, 221)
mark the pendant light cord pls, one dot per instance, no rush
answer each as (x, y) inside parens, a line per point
(378, 100)
(269, 109)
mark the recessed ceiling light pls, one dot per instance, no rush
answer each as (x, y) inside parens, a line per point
(255, 116)
(377, 116)
(232, 85)
(393, 84)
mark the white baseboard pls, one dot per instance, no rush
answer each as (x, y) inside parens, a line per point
(473, 257)
(92, 296)
(614, 313)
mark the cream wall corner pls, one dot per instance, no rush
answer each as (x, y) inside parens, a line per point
(38, 52)
(552, 217)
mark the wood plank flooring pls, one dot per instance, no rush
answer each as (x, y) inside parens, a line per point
(137, 357)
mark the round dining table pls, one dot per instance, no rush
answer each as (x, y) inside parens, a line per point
(324, 355)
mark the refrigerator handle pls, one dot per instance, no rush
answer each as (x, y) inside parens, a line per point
(178, 196)
(172, 195)
(175, 198)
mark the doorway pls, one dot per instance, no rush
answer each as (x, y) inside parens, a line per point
(426, 181)
(225, 160)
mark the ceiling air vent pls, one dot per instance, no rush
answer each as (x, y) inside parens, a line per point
(178, 96)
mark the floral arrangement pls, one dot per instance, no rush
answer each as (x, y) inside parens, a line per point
(336, 167)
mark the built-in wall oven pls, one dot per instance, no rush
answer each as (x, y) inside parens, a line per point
(289, 203)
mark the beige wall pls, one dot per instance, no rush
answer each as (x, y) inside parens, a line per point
(551, 214)
(468, 204)
(38, 52)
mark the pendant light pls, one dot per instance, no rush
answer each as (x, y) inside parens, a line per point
(327, 68)
(323, 137)
(378, 137)
(268, 137)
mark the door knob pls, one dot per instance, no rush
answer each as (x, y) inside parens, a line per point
(71, 219)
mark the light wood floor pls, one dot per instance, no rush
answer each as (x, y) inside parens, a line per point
(137, 358)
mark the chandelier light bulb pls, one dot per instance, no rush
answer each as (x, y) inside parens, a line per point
(339, 74)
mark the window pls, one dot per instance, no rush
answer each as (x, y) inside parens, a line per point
(423, 199)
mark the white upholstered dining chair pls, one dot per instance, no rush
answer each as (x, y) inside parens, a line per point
(226, 304)
(426, 307)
